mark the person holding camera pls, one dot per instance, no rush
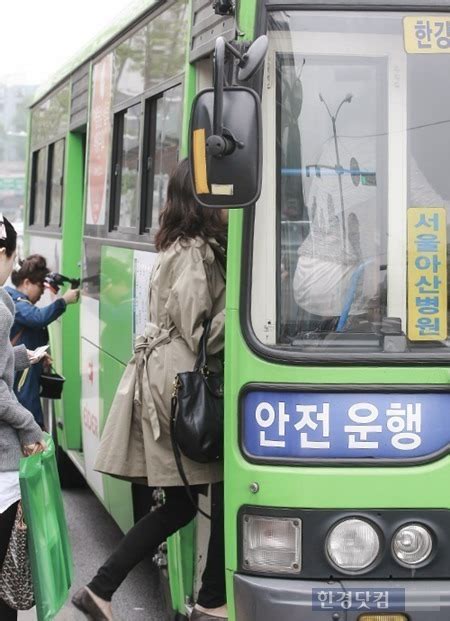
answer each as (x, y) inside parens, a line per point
(30, 325)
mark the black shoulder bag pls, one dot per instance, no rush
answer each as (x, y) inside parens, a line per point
(196, 420)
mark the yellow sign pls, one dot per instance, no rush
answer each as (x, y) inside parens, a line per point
(427, 34)
(199, 152)
(427, 274)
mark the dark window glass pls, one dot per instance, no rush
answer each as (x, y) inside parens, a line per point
(55, 187)
(162, 145)
(125, 195)
(38, 187)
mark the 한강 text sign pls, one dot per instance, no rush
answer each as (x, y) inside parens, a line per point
(427, 34)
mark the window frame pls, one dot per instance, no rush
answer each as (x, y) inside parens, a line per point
(114, 228)
(34, 163)
(48, 198)
(116, 170)
(47, 151)
(148, 168)
(35, 156)
(147, 144)
(149, 151)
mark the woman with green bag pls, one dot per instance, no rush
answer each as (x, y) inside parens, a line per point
(19, 433)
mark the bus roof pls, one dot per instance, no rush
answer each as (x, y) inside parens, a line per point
(124, 19)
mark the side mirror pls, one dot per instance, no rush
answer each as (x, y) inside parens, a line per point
(225, 148)
(234, 179)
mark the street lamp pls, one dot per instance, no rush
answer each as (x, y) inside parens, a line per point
(339, 170)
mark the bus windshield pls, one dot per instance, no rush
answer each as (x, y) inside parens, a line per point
(357, 128)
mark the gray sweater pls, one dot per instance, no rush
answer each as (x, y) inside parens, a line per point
(17, 425)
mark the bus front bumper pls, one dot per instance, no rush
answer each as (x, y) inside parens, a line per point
(281, 599)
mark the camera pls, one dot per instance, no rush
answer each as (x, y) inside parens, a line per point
(53, 281)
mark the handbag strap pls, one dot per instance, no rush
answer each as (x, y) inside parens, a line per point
(177, 455)
(20, 519)
(201, 360)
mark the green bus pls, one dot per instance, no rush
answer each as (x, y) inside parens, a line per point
(335, 155)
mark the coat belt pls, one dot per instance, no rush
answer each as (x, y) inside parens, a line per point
(152, 338)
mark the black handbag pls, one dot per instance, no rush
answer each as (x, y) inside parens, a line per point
(196, 421)
(16, 582)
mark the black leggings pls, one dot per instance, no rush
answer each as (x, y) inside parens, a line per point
(154, 528)
(6, 524)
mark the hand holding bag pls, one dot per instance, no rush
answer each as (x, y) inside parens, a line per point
(16, 583)
(196, 421)
(49, 546)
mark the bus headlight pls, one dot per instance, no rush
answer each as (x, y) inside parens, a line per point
(412, 545)
(272, 544)
(353, 545)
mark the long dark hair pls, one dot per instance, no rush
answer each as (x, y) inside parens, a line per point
(33, 267)
(181, 217)
(10, 242)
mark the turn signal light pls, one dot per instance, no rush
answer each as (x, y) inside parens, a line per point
(369, 617)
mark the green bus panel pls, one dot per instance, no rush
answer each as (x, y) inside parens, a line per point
(71, 266)
(117, 498)
(181, 565)
(116, 302)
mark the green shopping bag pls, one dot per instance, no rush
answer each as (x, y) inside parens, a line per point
(49, 546)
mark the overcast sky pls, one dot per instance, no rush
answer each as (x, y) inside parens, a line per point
(37, 37)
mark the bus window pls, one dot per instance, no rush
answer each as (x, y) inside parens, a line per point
(38, 187)
(328, 219)
(357, 137)
(55, 182)
(163, 125)
(166, 44)
(125, 184)
(153, 54)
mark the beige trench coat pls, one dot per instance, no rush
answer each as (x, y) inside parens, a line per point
(188, 286)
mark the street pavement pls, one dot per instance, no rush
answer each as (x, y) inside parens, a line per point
(94, 535)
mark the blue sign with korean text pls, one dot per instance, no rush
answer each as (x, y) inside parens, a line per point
(335, 425)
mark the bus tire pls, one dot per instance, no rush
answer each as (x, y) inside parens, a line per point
(69, 475)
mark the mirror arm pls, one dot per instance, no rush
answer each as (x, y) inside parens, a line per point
(219, 71)
(221, 142)
(243, 58)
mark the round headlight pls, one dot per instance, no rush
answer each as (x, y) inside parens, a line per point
(353, 545)
(412, 544)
